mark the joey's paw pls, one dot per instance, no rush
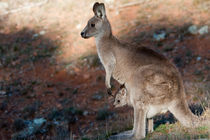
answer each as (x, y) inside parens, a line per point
(109, 91)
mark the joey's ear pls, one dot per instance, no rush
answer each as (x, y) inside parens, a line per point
(124, 91)
(99, 10)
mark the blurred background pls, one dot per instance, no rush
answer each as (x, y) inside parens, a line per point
(52, 82)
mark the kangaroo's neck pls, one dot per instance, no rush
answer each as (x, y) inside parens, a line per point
(105, 38)
(103, 41)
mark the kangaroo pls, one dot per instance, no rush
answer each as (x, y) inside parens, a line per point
(154, 84)
(122, 99)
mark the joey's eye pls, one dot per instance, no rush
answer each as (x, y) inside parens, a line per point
(92, 25)
(118, 101)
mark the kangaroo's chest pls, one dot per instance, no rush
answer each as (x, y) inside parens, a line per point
(104, 54)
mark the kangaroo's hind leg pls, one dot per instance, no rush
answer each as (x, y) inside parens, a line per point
(141, 124)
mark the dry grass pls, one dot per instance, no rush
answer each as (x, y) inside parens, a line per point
(176, 131)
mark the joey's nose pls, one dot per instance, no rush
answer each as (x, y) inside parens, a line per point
(82, 34)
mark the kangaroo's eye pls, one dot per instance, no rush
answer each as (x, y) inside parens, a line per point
(118, 101)
(92, 25)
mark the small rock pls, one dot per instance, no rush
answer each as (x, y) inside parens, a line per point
(85, 113)
(193, 29)
(39, 121)
(3, 93)
(42, 32)
(32, 128)
(203, 30)
(35, 35)
(198, 58)
(161, 35)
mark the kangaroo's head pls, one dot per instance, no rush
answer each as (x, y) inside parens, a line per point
(97, 26)
(121, 98)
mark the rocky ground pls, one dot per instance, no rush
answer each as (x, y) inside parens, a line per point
(52, 82)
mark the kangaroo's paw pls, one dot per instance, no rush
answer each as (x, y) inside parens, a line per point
(109, 91)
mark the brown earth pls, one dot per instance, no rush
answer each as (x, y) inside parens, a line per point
(46, 67)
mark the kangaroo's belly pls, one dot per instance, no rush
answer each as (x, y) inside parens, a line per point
(154, 110)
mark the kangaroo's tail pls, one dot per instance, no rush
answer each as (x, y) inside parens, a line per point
(182, 113)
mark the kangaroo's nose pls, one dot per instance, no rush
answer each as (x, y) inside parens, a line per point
(82, 34)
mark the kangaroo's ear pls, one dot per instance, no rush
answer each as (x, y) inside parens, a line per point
(99, 10)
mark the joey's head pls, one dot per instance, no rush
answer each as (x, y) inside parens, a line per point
(121, 98)
(97, 26)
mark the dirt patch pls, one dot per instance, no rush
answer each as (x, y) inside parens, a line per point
(38, 78)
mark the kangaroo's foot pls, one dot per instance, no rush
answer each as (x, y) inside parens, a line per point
(126, 135)
(150, 125)
(129, 132)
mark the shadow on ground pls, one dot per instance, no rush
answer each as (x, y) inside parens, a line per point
(27, 59)
(24, 46)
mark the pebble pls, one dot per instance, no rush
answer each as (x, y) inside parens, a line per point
(32, 128)
(203, 30)
(198, 58)
(193, 29)
(39, 121)
(42, 32)
(2, 92)
(85, 113)
(35, 35)
(159, 36)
